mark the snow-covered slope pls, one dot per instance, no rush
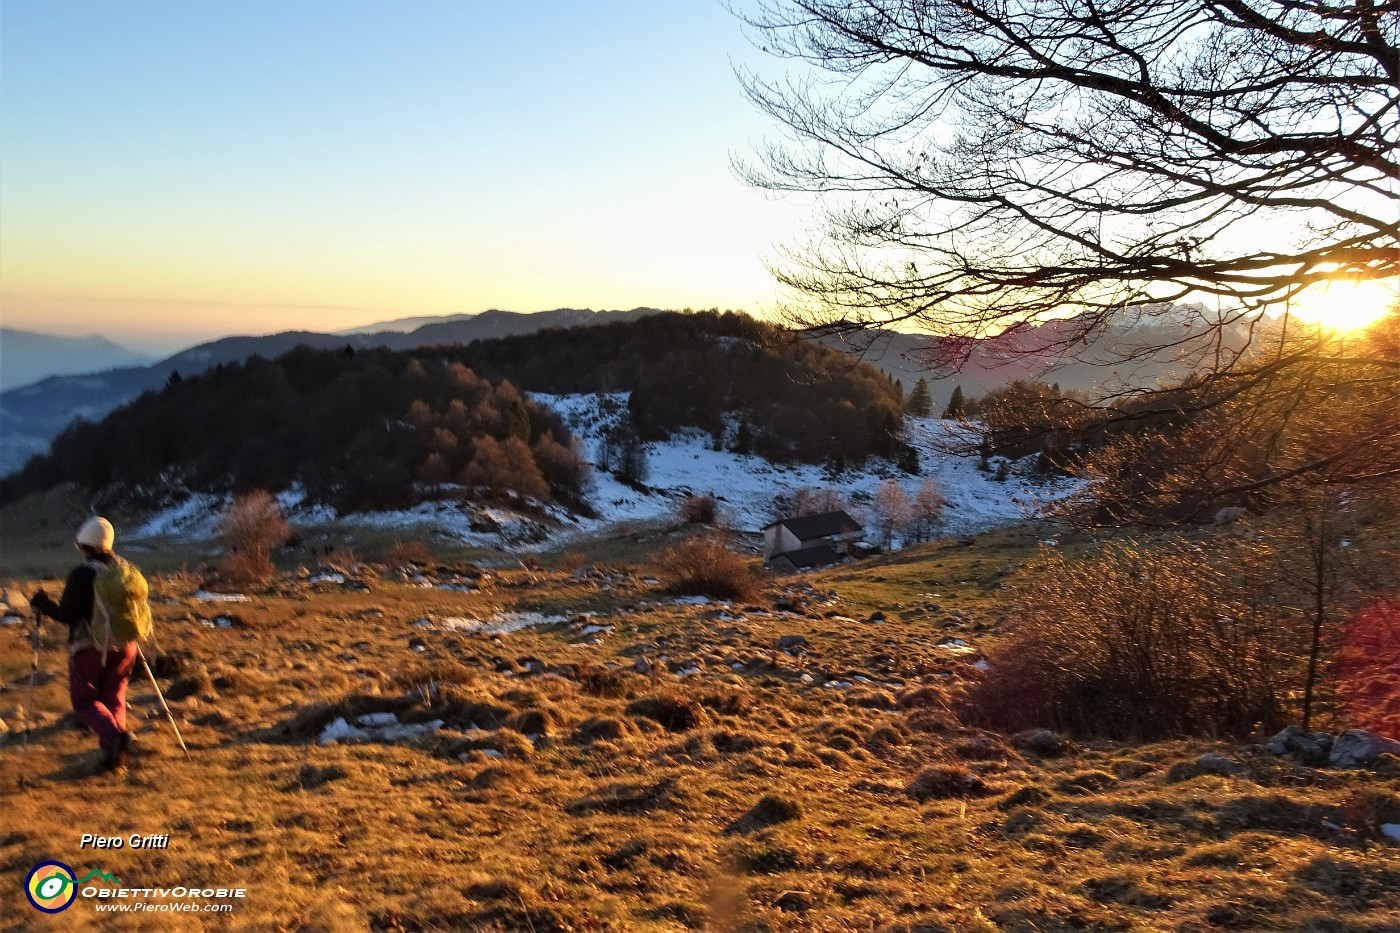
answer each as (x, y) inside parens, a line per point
(746, 487)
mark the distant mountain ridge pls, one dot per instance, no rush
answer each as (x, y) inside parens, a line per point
(497, 323)
(28, 356)
(1113, 357)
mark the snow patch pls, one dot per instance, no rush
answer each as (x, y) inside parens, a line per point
(205, 596)
(501, 623)
(195, 517)
(375, 727)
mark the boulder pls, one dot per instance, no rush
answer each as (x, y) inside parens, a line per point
(1309, 748)
(1356, 748)
(791, 642)
(1211, 763)
(1042, 742)
(15, 602)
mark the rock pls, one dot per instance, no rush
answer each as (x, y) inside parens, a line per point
(1211, 763)
(876, 616)
(641, 666)
(789, 642)
(15, 601)
(1231, 513)
(1359, 749)
(1042, 742)
(1282, 743)
(1391, 831)
(1309, 748)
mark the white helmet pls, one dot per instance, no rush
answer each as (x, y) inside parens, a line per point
(97, 533)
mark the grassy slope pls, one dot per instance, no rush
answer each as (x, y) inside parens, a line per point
(644, 830)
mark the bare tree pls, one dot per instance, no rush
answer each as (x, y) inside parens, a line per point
(251, 528)
(987, 163)
(890, 511)
(812, 501)
(926, 509)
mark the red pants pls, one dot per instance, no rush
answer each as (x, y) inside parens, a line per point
(97, 684)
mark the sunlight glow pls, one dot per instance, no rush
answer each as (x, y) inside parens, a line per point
(1343, 305)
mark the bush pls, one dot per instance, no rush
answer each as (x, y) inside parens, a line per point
(705, 566)
(409, 552)
(1176, 640)
(699, 510)
(251, 527)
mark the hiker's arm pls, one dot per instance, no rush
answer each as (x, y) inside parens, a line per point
(75, 606)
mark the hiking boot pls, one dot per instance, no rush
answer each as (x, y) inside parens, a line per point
(112, 755)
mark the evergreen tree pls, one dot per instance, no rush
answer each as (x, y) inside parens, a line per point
(957, 404)
(743, 438)
(920, 402)
(908, 459)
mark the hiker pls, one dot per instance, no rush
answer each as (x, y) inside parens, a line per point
(102, 647)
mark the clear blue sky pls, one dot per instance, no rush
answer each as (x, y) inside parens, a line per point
(172, 171)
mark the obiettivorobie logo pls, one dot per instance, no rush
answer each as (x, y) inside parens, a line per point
(52, 886)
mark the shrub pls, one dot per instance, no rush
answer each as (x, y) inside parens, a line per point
(1145, 644)
(251, 527)
(571, 561)
(706, 566)
(409, 552)
(699, 510)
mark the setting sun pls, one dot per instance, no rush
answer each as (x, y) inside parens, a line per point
(1346, 305)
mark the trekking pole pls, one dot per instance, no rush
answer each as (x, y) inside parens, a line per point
(160, 696)
(33, 675)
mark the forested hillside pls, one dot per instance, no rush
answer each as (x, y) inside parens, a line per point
(381, 428)
(791, 399)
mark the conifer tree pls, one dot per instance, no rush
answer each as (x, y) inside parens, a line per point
(957, 404)
(920, 402)
(743, 438)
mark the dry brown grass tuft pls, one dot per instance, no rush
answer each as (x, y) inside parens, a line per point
(674, 711)
(630, 797)
(942, 781)
(771, 810)
(599, 729)
(605, 682)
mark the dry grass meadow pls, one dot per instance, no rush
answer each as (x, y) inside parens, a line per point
(565, 790)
